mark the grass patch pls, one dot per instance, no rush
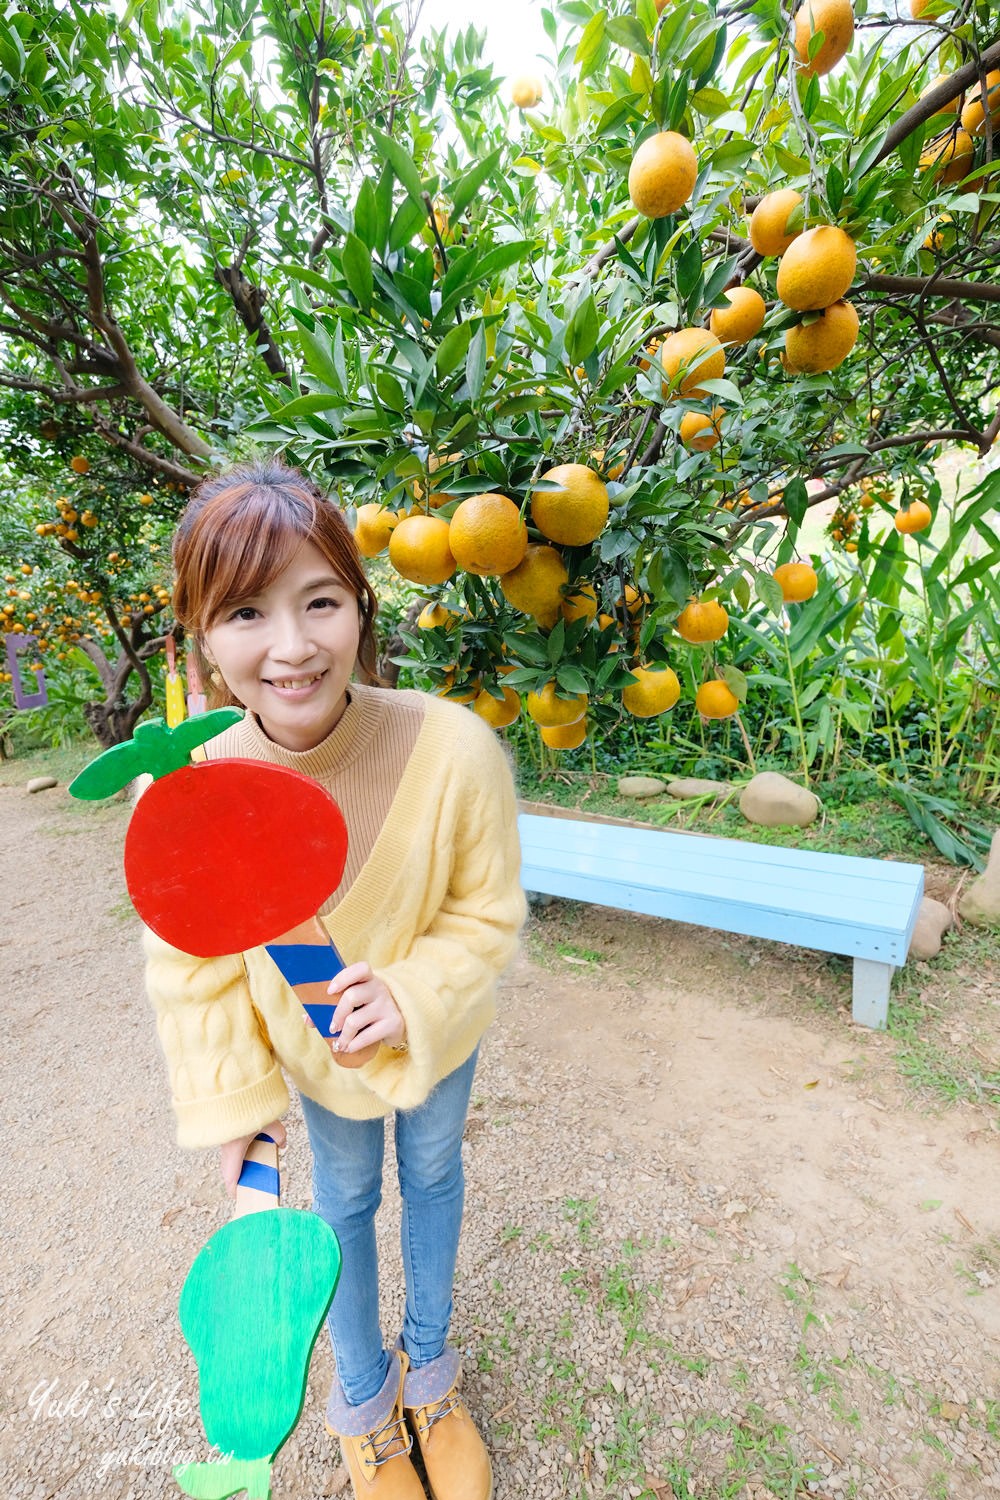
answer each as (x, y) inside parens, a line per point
(63, 763)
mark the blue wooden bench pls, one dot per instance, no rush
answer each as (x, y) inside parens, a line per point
(862, 908)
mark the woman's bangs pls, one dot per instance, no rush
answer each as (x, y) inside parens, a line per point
(256, 545)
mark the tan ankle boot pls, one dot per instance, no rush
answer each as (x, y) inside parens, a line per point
(455, 1457)
(379, 1461)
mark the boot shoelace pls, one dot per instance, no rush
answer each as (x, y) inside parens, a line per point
(444, 1408)
(393, 1430)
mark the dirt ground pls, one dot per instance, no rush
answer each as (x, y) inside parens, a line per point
(713, 1247)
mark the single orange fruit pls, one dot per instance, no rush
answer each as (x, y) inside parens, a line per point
(817, 268)
(564, 736)
(698, 353)
(656, 691)
(768, 231)
(535, 586)
(701, 621)
(824, 344)
(419, 550)
(581, 604)
(373, 528)
(79, 464)
(835, 19)
(498, 714)
(716, 700)
(744, 316)
(699, 431)
(487, 535)
(798, 581)
(662, 175)
(575, 514)
(549, 710)
(916, 517)
(526, 91)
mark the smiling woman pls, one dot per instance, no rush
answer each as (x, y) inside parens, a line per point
(271, 586)
(288, 652)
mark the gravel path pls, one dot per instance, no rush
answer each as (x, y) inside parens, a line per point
(709, 1250)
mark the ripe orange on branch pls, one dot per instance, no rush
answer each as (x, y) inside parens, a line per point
(498, 714)
(535, 585)
(768, 233)
(698, 353)
(373, 528)
(419, 550)
(79, 464)
(526, 91)
(744, 317)
(798, 582)
(656, 691)
(835, 19)
(575, 514)
(487, 535)
(701, 621)
(817, 268)
(824, 344)
(716, 700)
(564, 736)
(916, 517)
(950, 155)
(662, 175)
(581, 604)
(549, 710)
(974, 115)
(699, 431)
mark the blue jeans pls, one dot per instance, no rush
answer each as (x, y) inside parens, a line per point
(347, 1190)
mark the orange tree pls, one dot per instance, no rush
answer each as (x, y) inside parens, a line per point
(731, 264)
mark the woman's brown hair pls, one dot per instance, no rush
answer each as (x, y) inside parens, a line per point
(238, 532)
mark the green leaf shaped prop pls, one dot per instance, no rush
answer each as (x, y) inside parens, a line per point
(251, 1309)
(153, 750)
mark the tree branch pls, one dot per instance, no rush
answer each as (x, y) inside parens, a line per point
(935, 99)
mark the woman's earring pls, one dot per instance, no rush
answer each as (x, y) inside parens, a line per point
(216, 678)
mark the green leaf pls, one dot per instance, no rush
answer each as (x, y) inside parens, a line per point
(796, 500)
(583, 330)
(403, 166)
(735, 681)
(467, 186)
(366, 215)
(475, 362)
(357, 263)
(769, 592)
(452, 348)
(590, 44)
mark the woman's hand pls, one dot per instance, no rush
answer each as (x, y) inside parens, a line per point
(366, 1012)
(232, 1153)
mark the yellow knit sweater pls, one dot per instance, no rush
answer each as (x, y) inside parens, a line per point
(435, 908)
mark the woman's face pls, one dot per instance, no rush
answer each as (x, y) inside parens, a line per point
(288, 653)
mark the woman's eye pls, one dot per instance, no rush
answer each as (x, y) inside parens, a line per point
(245, 612)
(324, 603)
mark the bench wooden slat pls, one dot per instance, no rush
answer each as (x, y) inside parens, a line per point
(863, 908)
(563, 834)
(841, 899)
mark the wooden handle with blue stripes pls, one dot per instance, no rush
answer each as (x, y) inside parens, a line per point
(259, 1184)
(307, 960)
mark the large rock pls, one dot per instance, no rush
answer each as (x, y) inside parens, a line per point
(41, 783)
(696, 786)
(934, 919)
(773, 801)
(980, 904)
(641, 786)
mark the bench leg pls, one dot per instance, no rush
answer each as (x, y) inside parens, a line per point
(870, 996)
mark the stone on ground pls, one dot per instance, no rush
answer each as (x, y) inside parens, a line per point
(41, 783)
(933, 920)
(980, 904)
(696, 786)
(641, 786)
(773, 801)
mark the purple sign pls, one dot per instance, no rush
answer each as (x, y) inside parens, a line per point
(23, 698)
